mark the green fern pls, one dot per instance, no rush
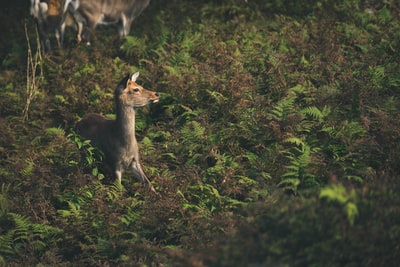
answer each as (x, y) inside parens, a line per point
(348, 132)
(206, 200)
(104, 247)
(53, 131)
(163, 38)
(4, 199)
(174, 70)
(296, 141)
(24, 236)
(376, 74)
(338, 193)
(75, 201)
(193, 136)
(6, 244)
(297, 170)
(315, 113)
(115, 191)
(92, 155)
(224, 163)
(132, 213)
(286, 105)
(192, 132)
(134, 46)
(188, 113)
(147, 146)
(217, 96)
(21, 230)
(283, 109)
(29, 168)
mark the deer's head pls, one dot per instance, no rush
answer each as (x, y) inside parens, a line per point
(129, 93)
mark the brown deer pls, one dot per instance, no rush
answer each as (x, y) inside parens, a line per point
(90, 13)
(116, 138)
(52, 17)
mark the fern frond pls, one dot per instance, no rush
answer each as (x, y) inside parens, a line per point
(219, 98)
(283, 108)
(313, 112)
(38, 245)
(22, 227)
(133, 45)
(6, 243)
(377, 74)
(332, 131)
(104, 247)
(147, 146)
(298, 89)
(246, 181)
(295, 140)
(174, 70)
(4, 199)
(290, 183)
(353, 130)
(54, 131)
(192, 131)
(351, 211)
(28, 169)
(338, 193)
(115, 191)
(348, 131)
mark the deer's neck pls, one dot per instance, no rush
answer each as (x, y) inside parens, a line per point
(126, 124)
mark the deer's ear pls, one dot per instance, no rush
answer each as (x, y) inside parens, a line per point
(134, 76)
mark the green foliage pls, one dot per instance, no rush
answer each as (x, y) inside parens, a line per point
(92, 156)
(297, 170)
(275, 141)
(133, 46)
(337, 193)
(22, 238)
(205, 200)
(283, 109)
(317, 114)
(193, 139)
(4, 199)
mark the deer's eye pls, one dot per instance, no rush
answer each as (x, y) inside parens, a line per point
(136, 89)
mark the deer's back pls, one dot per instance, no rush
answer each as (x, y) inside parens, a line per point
(111, 10)
(94, 127)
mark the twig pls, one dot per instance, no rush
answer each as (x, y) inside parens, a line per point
(32, 81)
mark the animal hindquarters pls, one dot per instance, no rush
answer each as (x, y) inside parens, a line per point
(91, 127)
(90, 13)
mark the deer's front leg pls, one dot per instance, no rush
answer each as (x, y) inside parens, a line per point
(139, 174)
(118, 174)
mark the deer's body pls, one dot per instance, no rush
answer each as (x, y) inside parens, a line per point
(90, 13)
(52, 18)
(116, 138)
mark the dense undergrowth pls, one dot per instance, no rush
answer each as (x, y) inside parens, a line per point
(275, 142)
